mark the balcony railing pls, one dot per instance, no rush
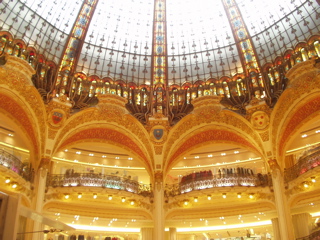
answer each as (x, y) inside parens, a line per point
(13, 163)
(258, 180)
(303, 165)
(98, 180)
(312, 236)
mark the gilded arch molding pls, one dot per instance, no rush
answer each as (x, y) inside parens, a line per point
(109, 117)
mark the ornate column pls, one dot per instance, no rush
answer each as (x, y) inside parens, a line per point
(284, 216)
(173, 233)
(146, 233)
(301, 224)
(158, 212)
(275, 227)
(39, 195)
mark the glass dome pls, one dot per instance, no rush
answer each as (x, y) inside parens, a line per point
(237, 49)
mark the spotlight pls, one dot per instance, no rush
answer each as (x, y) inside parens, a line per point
(195, 199)
(305, 184)
(79, 195)
(95, 195)
(209, 197)
(186, 202)
(14, 185)
(313, 179)
(8, 180)
(224, 195)
(66, 196)
(132, 202)
(239, 195)
(110, 197)
(123, 199)
(251, 196)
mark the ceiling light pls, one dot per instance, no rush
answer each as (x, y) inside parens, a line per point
(14, 185)
(95, 195)
(79, 195)
(91, 154)
(209, 197)
(195, 199)
(224, 195)
(186, 202)
(210, 155)
(78, 152)
(10, 135)
(132, 202)
(110, 197)
(251, 196)
(123, 199)
(8, 180)
(235, 152)
(104, 156)
(313, 179)
(304, 135)
(66, 150)
(223, 154)
(305, 184)
(66, 196)
(239, 195)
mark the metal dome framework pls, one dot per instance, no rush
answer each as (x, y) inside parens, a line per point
(161, 55)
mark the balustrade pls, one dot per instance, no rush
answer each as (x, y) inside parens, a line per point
(13, 163)
(303, 165)
(258, 180)
(98, 180)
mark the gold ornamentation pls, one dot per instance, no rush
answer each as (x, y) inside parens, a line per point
(264, 136)
(158, 150)
(52, 133)
(260, 120)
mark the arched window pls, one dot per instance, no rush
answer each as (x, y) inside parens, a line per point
(213, 89)
(304, 54)
(240, 87)
(226, 89)
(317, 47)
(200, 91)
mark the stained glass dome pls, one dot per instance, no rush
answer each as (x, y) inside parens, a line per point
(201, 42)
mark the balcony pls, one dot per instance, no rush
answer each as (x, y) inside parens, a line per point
(73, 179)
(304, 164)
(13, 163)
(231, 180)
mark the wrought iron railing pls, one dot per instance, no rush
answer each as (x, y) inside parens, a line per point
(303, 165)
(258, 180)
(98, 180)
(312, 236)
(13, 163)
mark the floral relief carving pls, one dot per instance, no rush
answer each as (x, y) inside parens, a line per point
(303, 78)
(19, 79)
